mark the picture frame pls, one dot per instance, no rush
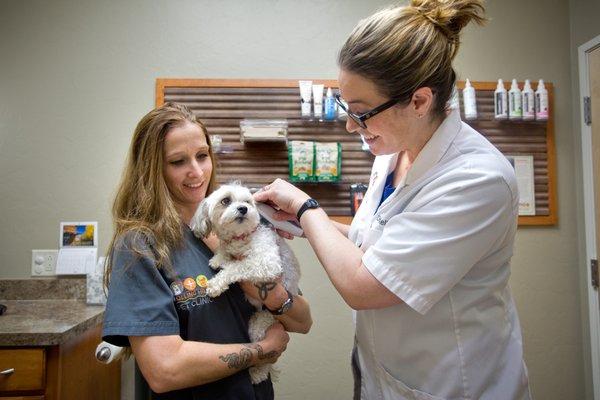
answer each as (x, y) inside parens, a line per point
(78, 234)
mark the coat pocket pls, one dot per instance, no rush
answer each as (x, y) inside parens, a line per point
(393, 388)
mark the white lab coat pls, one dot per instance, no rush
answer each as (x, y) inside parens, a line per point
(442, 242)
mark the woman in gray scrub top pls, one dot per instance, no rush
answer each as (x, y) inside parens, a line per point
(426, 260)
(186, 344)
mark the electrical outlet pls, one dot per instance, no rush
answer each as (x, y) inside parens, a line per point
(43, 262)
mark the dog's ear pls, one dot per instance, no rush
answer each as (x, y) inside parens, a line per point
(200, 222)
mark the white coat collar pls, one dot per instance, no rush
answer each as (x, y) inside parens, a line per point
(435, 147)
(430, 155)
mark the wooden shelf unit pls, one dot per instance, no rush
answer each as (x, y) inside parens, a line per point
(222, 103)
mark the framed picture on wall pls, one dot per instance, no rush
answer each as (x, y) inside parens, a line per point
(79, 234)
(523, 166)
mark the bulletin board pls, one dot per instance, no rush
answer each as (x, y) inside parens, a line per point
(222, 103)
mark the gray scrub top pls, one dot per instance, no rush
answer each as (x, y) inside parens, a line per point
(146, 301)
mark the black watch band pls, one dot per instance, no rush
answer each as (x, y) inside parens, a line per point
(287, 304)
(308, 204)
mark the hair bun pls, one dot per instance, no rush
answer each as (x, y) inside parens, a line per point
(450, 16)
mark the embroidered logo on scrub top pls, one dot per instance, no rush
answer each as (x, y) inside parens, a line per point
(189, 284)
(201, 280)
(194, 293)
(373, 178)
(177, 288)
(380, 220)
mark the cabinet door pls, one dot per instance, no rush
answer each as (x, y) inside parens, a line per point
(21, 369)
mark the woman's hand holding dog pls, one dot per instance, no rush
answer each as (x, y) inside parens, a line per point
(271, 294)
(273, 345)
(296, 319)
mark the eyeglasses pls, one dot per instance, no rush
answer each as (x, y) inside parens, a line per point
(361, 118)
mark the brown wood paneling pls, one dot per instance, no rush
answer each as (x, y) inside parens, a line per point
(535, 138)
(255, 164)
(221, 104)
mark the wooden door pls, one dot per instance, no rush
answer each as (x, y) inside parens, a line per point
(594, 79)
(589, 64)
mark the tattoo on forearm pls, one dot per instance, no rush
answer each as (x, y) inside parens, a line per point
(261, 353)
(243, 359)
(239, 360)
(264, 289)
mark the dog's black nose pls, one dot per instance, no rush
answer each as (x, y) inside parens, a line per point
(243, 210)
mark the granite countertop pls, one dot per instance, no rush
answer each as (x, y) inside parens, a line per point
(43, 312)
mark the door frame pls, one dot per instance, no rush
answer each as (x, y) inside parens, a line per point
(591, 251)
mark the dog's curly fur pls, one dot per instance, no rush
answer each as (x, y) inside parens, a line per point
(248, 251)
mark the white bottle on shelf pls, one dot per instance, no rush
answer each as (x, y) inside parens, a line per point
(528, 101)
(500, 101)
(317, 92)
(515, 110)
(541, 102)
(470, 101)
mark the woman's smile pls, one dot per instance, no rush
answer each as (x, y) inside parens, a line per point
(193, 186)
(369, 139)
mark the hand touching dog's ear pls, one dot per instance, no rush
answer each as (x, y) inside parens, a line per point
(201, 224)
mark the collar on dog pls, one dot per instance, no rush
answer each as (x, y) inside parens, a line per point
(237, 258)
(243, 236)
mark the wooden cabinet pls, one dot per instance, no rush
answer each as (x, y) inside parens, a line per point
(22, 369)
(60, 372)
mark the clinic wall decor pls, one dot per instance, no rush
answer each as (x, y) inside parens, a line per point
(521, 139)
(223, 103)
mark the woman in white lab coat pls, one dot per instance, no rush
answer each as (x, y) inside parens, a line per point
(426, 260)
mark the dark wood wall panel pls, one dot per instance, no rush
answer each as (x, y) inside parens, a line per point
(517, 138)
(221, 104)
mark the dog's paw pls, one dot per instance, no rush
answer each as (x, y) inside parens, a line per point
(213, 289)
(215, 262)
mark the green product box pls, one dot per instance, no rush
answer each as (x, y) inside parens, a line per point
(301, 156)
(328, 162)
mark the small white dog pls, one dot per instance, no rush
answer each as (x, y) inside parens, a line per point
(248, 251)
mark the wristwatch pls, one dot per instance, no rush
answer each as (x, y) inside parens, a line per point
(308, 204)
(287, 304)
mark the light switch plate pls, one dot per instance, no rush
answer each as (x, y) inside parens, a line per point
(43, 262)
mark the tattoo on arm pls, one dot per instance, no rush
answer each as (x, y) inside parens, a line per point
(261, 353)
(243, 359)
(239, 360)
(264, 289)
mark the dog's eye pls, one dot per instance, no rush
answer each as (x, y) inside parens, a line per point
(226, 201)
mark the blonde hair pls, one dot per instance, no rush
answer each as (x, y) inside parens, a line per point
(143, 205)
(402, 49)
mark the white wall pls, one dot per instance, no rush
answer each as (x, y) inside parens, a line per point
(77, 76)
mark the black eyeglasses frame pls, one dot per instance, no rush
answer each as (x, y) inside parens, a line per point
(361, 118)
